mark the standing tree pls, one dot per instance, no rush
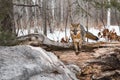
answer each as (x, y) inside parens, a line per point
(44, 15)
(7, 29)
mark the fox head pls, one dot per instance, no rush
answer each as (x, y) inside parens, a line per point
(75, 29)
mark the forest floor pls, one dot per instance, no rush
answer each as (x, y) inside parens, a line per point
(96, 71)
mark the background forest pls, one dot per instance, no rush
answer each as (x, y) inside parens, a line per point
(48, 15)
(51, 14)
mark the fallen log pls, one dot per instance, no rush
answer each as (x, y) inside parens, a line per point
(40, 39)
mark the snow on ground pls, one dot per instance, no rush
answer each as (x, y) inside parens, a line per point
(93, 31)
(57, 35)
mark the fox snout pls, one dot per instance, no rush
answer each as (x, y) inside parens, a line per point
(75, 31)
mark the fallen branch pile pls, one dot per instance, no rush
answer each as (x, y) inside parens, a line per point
(104, 67)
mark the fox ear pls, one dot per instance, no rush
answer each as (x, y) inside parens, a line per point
(71, 26)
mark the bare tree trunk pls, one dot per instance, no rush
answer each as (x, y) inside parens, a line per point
(117, 20)
(70, 12)
(6, 16)
(35, 17)
(7, 28)
(108, 15)
(87, 17)
(27, 18)
(44, 14)
(66, 22)
(102, 17)
(61, 3)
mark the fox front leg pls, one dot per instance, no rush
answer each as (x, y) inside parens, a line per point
(76, 47)
(80, 44)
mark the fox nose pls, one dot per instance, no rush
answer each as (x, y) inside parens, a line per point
(75, 31)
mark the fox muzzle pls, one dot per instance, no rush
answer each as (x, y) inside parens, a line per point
(75, 31)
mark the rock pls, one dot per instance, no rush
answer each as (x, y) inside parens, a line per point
(33, 63)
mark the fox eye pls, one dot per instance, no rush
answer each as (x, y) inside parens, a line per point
(71, 32)
(74, 30)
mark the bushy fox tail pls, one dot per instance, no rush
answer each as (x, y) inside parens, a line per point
(88, 34)
(91, 36)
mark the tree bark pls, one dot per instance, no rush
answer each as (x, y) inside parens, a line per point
(7, 28)
(6, 16)
(44, 15)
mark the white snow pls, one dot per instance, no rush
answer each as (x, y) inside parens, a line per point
(57, 35)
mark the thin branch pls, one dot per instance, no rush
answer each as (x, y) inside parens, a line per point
(26, 5)
(83, 8)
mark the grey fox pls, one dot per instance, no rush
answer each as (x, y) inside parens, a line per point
(78, 35)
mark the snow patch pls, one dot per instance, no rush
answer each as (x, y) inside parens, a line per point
(58, 35)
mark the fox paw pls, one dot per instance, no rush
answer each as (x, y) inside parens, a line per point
(77, 52)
